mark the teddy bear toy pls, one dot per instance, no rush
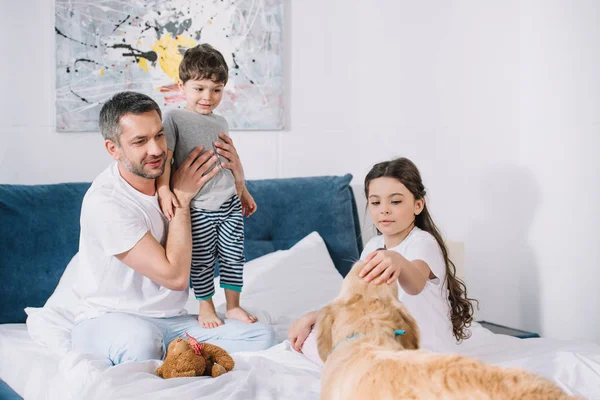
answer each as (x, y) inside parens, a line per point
(191, 358)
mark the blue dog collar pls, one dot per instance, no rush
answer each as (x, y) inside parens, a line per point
(397, 332)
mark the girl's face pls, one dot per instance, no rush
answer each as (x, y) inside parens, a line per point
(392, 206)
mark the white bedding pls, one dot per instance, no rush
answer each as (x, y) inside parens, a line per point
(277, 373)
(26, 366)
(276, 290)
(35, 373)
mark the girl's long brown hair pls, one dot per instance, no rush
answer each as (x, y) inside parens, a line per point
(461, 306)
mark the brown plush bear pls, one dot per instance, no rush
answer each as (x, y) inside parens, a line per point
(190, 358)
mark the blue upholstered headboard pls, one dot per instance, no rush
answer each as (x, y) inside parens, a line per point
(39, 230)
(290, 209)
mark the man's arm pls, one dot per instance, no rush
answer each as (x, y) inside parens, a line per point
(170, 266)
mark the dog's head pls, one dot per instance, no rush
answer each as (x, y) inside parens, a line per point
(364, 309)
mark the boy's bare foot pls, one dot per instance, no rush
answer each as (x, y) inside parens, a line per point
(241, 315)
(234, 311)
(207, 316)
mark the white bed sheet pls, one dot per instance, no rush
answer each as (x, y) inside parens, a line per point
(277, 373)
(25, 366)
(35, 373)
(573, 365)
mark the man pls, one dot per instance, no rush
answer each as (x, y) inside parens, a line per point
(133, 276)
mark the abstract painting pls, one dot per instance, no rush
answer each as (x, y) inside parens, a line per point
(107, 46)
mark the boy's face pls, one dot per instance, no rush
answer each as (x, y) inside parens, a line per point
(203, 95)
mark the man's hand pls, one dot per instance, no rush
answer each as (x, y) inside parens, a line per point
(192, 175)
(228, 150)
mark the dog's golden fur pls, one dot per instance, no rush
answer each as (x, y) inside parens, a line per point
(364, 360)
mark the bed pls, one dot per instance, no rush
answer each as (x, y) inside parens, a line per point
(300, 243)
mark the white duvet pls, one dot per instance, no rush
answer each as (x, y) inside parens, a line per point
(281, 373)
(277, 373)
(37, 362)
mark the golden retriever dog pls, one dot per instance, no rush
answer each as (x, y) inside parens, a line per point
(365, 359)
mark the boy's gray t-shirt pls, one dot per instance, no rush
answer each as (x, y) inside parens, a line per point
(185, 130)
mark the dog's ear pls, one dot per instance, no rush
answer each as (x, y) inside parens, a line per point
(411, 339)
(324, 325)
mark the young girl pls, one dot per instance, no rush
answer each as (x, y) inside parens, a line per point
(409, 250)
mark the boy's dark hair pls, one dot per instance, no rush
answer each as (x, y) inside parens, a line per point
(461, 306)
(118, 106)
(203, 62)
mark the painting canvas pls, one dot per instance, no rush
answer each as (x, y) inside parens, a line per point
(107, 46)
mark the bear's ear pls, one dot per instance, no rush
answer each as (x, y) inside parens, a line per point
(324, 327)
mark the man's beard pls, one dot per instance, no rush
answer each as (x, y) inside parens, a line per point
(139, 169)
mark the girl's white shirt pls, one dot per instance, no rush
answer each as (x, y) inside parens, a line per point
(430, 308)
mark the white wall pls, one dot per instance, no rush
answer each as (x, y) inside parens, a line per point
(498, 104)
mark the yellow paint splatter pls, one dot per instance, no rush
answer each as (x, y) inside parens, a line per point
(143, 64)
(169, 56)
(102, 72)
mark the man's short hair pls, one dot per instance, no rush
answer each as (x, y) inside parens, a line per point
(118, 106)
(203, 62)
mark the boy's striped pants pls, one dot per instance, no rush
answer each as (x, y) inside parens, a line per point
(217, 234)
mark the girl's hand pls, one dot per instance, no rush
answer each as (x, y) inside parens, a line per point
(228, 150)
(168, 202)
(381, 266)
(248, 204)
(300, 329)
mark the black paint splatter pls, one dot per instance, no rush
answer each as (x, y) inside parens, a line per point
(76, 41)
(149, 55)
(237, 67)
(83, 60)
(121, 23)
(235, 64)
(148, 26)
(78, 96)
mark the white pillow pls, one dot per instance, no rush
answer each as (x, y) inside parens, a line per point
(304, 280)
(252, 270)
(292, 283)
(51, 325)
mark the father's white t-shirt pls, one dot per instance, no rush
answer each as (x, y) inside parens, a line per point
(430, 308)
(114, 217)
